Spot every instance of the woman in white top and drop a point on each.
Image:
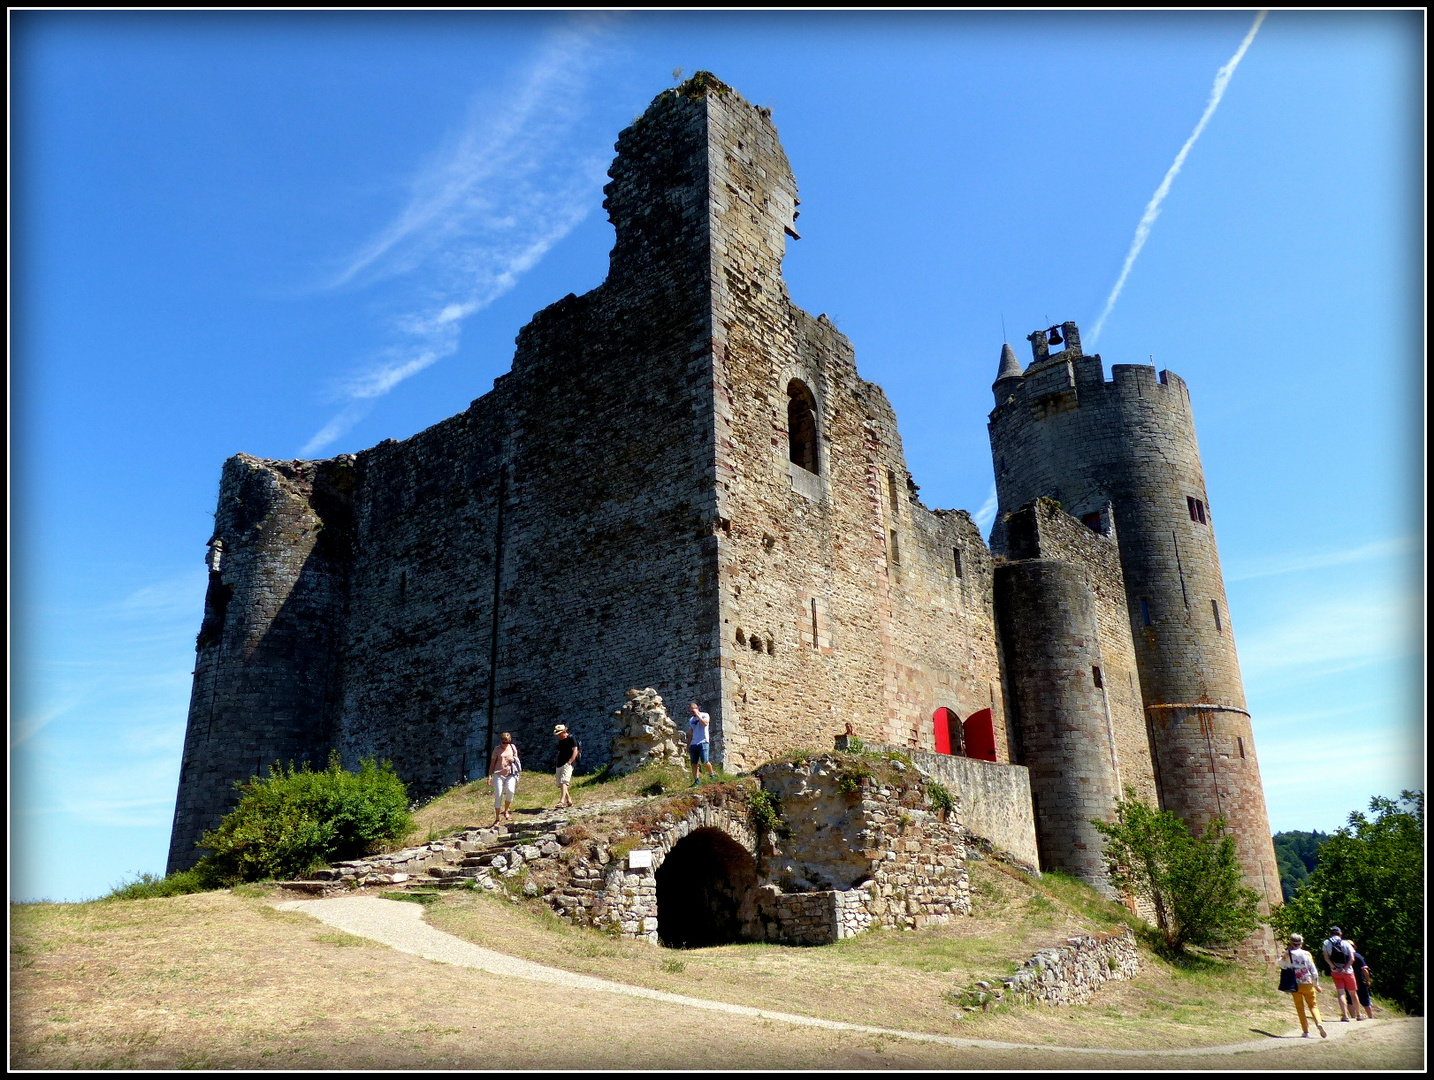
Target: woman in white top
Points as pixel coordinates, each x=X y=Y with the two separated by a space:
x=1306 y=983
x=503 y=769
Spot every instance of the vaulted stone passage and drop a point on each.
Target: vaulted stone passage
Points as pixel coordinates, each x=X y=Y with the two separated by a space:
x=706 y=892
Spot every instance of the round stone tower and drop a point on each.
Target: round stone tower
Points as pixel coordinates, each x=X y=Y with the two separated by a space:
x=1060 y=430
x=1048 y=625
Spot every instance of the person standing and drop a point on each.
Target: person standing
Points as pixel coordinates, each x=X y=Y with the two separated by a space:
x=1306 y=984
x=1361 y=982
x=699 y=743
x=503 y=769
x=1339 y=955
x=568 y=753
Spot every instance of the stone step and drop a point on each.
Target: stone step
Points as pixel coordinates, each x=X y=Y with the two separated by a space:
x=316 y=887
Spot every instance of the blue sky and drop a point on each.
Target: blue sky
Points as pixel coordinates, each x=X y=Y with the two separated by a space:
x=299 y=234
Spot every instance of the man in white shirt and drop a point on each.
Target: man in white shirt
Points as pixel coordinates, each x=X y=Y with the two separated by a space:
x=699 y=746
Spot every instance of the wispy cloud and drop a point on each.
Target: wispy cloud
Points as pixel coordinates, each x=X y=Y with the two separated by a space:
x=519 y=175
x=1332 y=634
x=1152 y=209
x=1292 y=564
x=987 y=514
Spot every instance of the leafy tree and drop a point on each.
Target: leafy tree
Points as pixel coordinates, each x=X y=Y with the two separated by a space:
x=1192 y=881
x=1370 y=883
x=292 y=819
x=1297 y=854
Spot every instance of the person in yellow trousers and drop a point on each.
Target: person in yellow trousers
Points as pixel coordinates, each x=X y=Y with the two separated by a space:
x=1306 y=984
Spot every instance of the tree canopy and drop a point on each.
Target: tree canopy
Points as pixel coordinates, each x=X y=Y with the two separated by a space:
x=1370 y=883
x=1297 y=854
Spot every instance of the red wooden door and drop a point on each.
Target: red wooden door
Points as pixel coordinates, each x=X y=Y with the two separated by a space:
x=942 y=721
x=980 y=736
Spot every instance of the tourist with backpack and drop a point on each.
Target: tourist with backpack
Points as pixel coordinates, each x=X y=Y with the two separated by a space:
x=1298 y=960
x=568 y=754
x=1339 y=955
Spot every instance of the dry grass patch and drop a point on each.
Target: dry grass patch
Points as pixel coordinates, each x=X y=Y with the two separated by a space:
x=909 y=980
x=219 y=980
x=468 y=806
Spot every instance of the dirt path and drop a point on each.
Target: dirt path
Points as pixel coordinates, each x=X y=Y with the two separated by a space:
x=400 y=925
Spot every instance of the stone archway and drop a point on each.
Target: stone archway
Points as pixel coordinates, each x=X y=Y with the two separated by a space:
x=706 y=891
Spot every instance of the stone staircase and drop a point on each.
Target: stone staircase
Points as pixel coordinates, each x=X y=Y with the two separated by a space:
x=480 y=855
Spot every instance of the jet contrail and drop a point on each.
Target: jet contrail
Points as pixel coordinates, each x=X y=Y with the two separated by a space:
x=1152 y=210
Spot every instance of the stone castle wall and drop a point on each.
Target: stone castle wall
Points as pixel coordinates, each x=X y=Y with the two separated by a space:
x=850 y=587
x=995 y=801
x=618 y=511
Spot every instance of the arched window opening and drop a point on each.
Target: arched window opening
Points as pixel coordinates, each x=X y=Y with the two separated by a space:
x=706 y=892
x=802 y=426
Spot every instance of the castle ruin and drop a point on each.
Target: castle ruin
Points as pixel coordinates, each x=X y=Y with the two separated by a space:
x=683 y=483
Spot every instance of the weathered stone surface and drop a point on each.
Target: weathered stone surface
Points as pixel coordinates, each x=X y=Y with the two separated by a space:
x=1071 y=974
x=645 y=735
x=684 y=484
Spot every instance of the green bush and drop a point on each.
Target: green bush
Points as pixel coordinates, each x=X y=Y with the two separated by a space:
x=765 y=811
x=295 y=818
x=151 y=886
x=849 y=779
x=939 y=796
x=1192 y=880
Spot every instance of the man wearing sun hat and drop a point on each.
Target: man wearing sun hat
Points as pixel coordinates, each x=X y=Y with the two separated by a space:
x=567 y=757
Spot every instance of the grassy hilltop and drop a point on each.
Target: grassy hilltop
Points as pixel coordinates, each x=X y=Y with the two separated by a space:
x=223 y=979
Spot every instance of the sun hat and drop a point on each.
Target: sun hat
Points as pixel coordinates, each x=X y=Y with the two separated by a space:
x=1335 y=930
x=1297 y=939
x=560 y=729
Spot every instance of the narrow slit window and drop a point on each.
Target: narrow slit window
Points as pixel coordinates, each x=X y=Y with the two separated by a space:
x=895 y=550
x=1239 y=740
x=1145 y=612
x=956 y=560
x=1215 y=610
x=891 y=490
x=815 y=645
x=1095 y=674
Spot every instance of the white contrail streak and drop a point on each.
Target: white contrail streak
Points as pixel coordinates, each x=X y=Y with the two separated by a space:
x=1152 y=210
x=520 y=176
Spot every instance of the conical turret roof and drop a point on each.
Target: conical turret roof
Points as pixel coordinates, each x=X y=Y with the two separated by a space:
x=1010 y=366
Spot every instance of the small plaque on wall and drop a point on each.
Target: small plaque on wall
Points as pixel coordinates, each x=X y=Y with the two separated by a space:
x=639 y=860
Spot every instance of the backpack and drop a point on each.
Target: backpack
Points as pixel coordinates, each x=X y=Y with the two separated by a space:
x=1339 y=952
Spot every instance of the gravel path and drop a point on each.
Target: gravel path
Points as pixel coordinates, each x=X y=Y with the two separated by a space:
x=399 y=924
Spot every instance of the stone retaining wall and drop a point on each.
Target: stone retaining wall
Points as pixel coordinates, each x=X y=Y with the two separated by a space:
x=995 y=801
x=1071 y=973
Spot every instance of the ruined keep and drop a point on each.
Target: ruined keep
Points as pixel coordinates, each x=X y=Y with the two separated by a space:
x=683 y=483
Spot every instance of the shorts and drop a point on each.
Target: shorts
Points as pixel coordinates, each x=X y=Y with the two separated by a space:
x=700 y=753
x=504 y=787
x=1344 y=980
x=565 y=774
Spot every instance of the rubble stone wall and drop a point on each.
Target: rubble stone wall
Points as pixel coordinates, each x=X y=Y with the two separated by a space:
x=1073 y=972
